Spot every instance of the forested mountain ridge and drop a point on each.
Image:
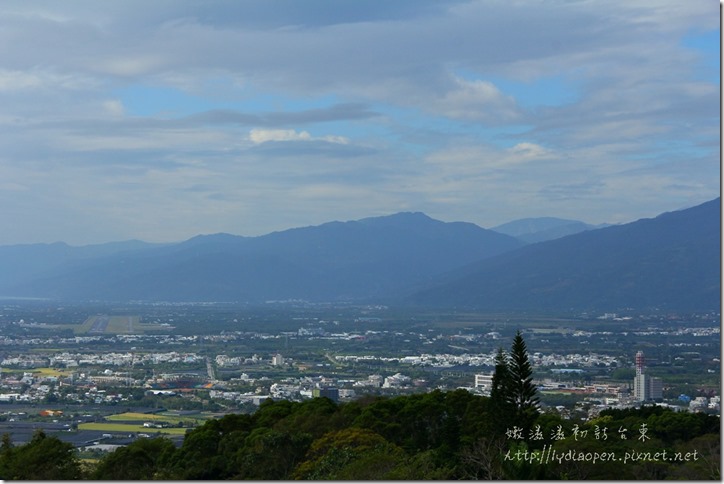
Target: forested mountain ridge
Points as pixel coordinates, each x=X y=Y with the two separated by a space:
x=369 y=258
x=668 y=262
x=24 y=262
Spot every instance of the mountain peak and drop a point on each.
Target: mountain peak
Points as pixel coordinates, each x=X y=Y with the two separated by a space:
x=531 y=225
x=221 y=237
x=539 y=229
x=668 y=262
x=399 y=218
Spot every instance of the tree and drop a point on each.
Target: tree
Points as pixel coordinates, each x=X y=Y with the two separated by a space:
x=144 y=459
x=270 y=454
x=500 y=394
x=43 y=458
x=501 y=378
x=352 y=453
x=523 y=393
x=513 y=394
x=6 y=454
x=482 y=460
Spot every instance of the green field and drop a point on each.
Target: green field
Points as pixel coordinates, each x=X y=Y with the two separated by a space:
x=130 y=428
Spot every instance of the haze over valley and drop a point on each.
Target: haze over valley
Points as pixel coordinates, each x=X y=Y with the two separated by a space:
x=665 y=262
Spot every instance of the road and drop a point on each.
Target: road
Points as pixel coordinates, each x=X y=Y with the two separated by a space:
x=210 y=369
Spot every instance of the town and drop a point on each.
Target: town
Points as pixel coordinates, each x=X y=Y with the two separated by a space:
x=70 y=370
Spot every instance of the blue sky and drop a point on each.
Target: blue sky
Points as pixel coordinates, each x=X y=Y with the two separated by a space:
x=163 y=120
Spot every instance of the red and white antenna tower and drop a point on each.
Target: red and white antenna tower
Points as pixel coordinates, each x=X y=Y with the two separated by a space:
x=640 y=363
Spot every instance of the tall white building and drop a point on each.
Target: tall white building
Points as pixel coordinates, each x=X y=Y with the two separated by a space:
x=640 y=388
x=646 y=387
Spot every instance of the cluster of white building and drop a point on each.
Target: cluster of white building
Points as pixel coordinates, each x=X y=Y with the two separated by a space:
x=573 y=359
x=445 y=360
x=700 y=404
x=68 y=360
x=225 y=361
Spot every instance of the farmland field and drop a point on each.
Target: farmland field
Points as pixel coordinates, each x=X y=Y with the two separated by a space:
x=38 y=372
x=45 y=372
x=188 y=420
x=130 y=428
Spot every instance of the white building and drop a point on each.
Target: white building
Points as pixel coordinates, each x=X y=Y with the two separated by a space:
x=397 y=380
x=647 y=388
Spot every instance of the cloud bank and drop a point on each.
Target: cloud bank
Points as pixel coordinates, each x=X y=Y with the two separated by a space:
x=162 y=120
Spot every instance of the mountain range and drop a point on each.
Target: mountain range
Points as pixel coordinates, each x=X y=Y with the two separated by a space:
x=671 y=261
x=544 y=228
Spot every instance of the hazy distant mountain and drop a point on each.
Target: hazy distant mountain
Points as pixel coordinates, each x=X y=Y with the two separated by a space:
x=24 y=262
x=669 y=262
x=373 y=257
x=540 y=229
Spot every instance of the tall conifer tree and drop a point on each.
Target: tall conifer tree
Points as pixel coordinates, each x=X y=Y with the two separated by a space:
x=522 y=393
x=500 y=388
x=502 y=409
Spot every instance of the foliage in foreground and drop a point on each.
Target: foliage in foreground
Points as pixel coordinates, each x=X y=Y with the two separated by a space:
x=438 y=435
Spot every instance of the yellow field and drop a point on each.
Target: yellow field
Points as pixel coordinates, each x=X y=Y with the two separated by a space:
x=42 y=371
x=150 y=417
x=52 y=372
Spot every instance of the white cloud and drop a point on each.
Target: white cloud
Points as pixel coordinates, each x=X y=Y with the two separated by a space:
x=35 y=79
x=529 y=151
x=258 y=136
x=132 y=66
x=465 y=160
x=476 y=101
x=114 y=107
x=138 y=140
x=414 y=90
x=17 y=80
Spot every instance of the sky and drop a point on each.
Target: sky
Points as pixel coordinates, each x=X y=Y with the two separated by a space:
x=162 y=120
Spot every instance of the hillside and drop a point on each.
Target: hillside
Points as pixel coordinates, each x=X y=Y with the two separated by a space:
x=540 y=229
x=374 y=257
x=25 y=262
x=668 y=262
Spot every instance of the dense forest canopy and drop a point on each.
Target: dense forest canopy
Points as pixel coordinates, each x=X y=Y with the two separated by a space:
x=437 y=435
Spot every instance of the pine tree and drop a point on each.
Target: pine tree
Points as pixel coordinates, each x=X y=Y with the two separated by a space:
x=500 y=391
x=501 y=378
x=522 y=393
